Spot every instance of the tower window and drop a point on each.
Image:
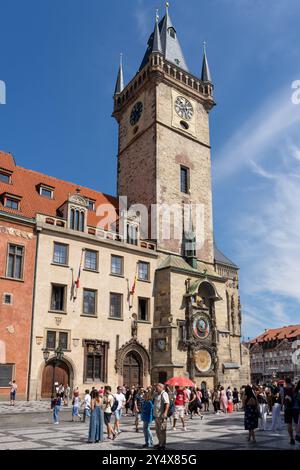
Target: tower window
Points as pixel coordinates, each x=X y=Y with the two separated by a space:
x=172 y=32
x=184 y=179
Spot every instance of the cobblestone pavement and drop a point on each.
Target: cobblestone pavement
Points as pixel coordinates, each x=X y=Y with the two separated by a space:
x=25 y=407
x=36 y=431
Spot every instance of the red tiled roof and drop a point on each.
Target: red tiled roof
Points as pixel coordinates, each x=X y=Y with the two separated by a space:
x=25 y=183
x=291 y=331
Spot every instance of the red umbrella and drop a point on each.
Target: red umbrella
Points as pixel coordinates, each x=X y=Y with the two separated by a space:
x=180 y=382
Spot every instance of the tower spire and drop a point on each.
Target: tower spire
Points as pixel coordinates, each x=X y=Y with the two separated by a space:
x=120 y=78
x=156 y=38
x=205 y=73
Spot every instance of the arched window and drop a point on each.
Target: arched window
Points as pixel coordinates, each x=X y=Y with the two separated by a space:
x=72 y=218
x=81 y=228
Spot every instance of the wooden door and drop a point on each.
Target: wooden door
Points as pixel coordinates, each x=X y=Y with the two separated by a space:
x=62 y=376
x=131 y=371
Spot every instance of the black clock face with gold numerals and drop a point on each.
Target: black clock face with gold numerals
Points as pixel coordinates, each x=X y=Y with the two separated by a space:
x=136 y=113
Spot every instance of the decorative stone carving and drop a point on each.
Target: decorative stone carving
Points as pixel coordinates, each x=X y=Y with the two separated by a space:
x=15 y=232
x=10 y=329
x=75 y=342
x=134 y=325
x=58 y=320
x=78 y=200
x=39 y=340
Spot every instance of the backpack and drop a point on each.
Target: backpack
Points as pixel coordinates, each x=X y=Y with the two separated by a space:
x=115 y=405
x=171 y=409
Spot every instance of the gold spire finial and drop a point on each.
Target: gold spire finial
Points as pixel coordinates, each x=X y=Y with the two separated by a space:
x=167 y=6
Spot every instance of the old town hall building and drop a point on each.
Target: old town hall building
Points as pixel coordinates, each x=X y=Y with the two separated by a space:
x=114 y=300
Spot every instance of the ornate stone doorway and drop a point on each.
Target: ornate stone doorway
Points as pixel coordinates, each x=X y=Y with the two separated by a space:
x=133 y=364
x=132 y=370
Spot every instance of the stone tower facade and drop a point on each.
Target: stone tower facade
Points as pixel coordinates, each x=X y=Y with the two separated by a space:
x=164 y=163
x=164 y=139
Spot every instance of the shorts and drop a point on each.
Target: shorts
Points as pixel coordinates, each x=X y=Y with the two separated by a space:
x=118 y=414
x=12 y=395
x=179 y=412
x=137 y=415
x=107 y=417
x=291 y=415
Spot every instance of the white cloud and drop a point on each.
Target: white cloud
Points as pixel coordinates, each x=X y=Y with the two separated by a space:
x=266 y=127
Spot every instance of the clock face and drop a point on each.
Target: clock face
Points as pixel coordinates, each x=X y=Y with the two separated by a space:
x=136 y=113
x=201 y=326
x=184 y=108
x=203 y=360
x=161 y=344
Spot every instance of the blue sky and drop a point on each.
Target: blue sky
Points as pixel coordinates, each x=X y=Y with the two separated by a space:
x=59 y=61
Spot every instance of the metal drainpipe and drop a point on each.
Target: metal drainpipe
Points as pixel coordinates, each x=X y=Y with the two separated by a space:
x=32 y=315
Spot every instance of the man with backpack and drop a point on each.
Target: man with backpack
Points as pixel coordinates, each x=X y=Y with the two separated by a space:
x=110 y=404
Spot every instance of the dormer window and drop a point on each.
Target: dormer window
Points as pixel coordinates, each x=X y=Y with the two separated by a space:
x=172 y=32
x=91 y=205
x=46 y=191
x=5 y=177
x=12 y=201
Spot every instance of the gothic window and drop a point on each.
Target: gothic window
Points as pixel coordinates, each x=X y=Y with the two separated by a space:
x=95 y=361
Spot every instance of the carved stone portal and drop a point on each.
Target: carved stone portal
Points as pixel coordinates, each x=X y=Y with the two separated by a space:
x=133 y=346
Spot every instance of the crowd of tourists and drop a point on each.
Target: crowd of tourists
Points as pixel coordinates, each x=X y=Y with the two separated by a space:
x=271 y=399
x=169 y=407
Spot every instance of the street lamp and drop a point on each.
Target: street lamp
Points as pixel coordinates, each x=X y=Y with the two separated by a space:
x=58 y=355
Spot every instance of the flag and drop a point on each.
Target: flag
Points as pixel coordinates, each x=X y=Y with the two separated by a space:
x=133 y=285
x=132 y=290
x=77 y=282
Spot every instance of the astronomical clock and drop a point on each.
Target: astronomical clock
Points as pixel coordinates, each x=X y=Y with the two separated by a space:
x=200 y=334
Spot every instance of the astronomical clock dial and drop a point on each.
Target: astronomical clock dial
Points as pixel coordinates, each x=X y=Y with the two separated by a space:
x=161 y=344
x=203 y=360
x=201 y=326
x=184 y=108
x=136 y=113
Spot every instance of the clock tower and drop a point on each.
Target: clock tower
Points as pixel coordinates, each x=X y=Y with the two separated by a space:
x=164 y=146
